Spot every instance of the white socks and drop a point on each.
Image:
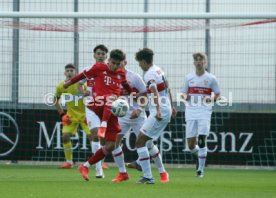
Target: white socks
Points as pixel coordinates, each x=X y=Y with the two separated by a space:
x=155 y=155
x=104 y=124
x=202 y=154
x=144 y=161
x=118 y=156
x=95 y=146
x=195 y=150
x=86 y=164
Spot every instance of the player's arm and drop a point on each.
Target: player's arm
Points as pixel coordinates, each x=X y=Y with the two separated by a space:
x=83 y=86
x=141 y=94
x=73 y=80
x=58 y=106
x=142 y=105
x=64 y=117
x=127 y=86
x=185 y=95
x=174 y=112
x=215 y=89
x=153 y=90
x=82 y=89
x=91 y=73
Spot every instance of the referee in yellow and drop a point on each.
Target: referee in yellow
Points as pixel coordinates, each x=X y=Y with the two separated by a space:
x=75 y=115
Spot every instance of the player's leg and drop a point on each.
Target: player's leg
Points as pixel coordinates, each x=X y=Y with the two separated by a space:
x=154 y=151
x=106 y=116
x=118 y=154
x=157 y=158
x=100 y=154
x=112 y=130
x=136 y=125
x=151 y=129
x=93 y=122
x=191 y=134
x=203 y=132
x=144 y=159
x=67 y=131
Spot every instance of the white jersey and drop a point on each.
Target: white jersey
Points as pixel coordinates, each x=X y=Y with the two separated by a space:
x=136 y=83
x=155 y=76
x=198 y=87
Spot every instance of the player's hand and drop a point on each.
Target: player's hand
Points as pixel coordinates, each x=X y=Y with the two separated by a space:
x=66 y=120
x=174 y=112
x=158 y=115
x=188 y=97
x=208 y=99
x=135 y=114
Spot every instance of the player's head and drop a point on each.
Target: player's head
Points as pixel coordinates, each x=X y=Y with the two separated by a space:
x=145 y=58
x=200 y=60
x=70 y=70
x=100 y=53
x=115 y=59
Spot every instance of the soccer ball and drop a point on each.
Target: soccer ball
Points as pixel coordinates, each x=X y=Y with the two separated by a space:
x=119 y=107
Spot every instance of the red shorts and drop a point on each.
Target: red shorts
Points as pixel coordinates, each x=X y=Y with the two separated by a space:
x=113 y=127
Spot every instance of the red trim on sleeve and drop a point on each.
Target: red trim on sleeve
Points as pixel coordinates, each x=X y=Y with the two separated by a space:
x=160 y=87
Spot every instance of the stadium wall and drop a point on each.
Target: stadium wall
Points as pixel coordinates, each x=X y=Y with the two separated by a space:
x=235 y=139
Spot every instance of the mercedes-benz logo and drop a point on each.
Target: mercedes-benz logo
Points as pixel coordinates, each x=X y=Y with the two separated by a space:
x=9 y=134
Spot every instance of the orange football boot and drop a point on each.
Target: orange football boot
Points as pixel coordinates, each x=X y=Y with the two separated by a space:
x=120 y=177
x=84 y=172
x=164 y=177
x=67 y=165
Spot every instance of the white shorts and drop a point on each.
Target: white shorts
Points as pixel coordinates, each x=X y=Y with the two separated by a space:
x=134 y=124
x=197 y=127
x=154 y=128
x=92 y=118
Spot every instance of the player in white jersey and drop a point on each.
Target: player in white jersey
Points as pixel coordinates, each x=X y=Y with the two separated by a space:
x=200 y=91
x=161 y=110
x=100 y=55
x=134 y=120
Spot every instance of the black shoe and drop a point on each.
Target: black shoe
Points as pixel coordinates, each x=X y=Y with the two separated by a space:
x=145 y=180
x=134 y=165
x=199 y=174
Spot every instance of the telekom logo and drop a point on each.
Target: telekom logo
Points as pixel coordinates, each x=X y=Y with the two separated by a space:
x=107 y=80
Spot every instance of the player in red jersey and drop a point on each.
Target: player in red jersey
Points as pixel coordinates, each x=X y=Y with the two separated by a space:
x=100 y=53
x=107 y=80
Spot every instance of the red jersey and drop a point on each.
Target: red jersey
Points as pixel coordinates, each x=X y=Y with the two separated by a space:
x=106 y=82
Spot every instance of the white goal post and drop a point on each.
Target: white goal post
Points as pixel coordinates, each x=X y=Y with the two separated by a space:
x=127 y=15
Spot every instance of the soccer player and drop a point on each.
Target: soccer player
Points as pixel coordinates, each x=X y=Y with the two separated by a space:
x=100 y=56
x=75 y=114
x=197 y=90
x=161 y=110
x=134 y=119
x=107 y=80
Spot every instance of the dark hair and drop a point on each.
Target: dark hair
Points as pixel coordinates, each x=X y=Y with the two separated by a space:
x=70 y=66
x=117 y=54
x=101 y=47
x=144 y=54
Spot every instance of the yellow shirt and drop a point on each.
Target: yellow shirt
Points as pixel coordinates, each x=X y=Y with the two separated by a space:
x=73 y=98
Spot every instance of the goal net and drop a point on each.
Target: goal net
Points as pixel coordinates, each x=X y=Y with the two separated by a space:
x=241 y=53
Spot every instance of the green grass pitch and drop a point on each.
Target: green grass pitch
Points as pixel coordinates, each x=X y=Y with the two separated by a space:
x=22 y=181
